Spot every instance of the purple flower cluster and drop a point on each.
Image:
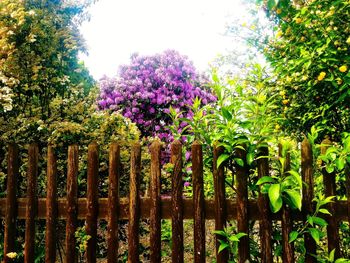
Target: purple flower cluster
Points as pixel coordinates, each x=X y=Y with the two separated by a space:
x=145 y=90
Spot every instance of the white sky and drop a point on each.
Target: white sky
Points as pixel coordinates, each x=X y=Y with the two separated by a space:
x=119 y=28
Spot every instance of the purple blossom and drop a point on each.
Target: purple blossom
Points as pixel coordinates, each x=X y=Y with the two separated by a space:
x=146 y=88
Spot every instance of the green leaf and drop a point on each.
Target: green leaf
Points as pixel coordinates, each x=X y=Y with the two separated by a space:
x=296 y=176
x=265 y=179
x=319 y=221
x=315 y=234
x=295 y=197
x=293 y=236
x=240 y=234
x=227 y=115
x=324 y=211
x=222 y=158
x=331 y=255
x=239 y=161
x=222 y=247
x=340 y=163
x=275 y=197
x=250 y=158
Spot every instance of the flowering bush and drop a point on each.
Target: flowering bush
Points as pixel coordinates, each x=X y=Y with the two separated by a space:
x=310 y=55
x=149 y=86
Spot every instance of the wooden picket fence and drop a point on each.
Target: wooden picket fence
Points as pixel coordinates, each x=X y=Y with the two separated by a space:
x=92 y=208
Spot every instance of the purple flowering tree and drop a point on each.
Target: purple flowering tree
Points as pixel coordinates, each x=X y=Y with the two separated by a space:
x=145 y=90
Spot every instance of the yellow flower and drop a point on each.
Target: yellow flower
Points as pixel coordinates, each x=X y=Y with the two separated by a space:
x=278 y=11
x=277 y=127
x=298 y=20
x=282 y=93
x=279 y=34
x=11 y=255
x=321 y=76
x=348 y=41
x=285 y=102
x=343 y=68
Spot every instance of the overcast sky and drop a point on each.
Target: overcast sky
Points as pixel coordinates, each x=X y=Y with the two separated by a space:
x=118 y=29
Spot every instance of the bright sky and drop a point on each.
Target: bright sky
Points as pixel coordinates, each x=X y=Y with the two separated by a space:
x=118 y=29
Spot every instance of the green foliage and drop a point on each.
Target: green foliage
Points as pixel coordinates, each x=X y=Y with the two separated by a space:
x=309 y=53
x=229 y=242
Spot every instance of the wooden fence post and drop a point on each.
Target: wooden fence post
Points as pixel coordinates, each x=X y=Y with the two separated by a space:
x=155 y=211
x=220 y=202
x=92 y=202
x=242 y=174
x=198 y=203
x=72 y=203
x=11 y=201
x=51 y=206
x=330 y=190
x=265 y=227
x=31 y=206
x=287 y=223
x=177 y=203
x=308 y=195
x=113 y=203
x=134 y=204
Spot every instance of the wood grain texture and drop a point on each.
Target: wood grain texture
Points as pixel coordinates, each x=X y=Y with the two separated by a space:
x=51 y=207
x=308 y=194
x=242 y=207
x=287 y=222
x=198 y=203
x=32 y=174
x=220 y=204
x=265 y=226
x=177 y=203
x=11 y=201
x=92 y=202
x=72 y=203
x=113 y=203
x=330 y=190
x=134 y=204
x=155 y=203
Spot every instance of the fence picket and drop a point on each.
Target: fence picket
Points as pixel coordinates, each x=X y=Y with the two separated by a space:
x=72 y=203
x=177 y=204
x=347 y=175
x=92 y=202
x=242 y=207
x=330 y=190
x=198 y=203
x=51 y=207
x=265 y=227
x=220 y=202
x=287 y=223
x=134 y=204
x=113 y=203
x=11 y=201
x=31 y=209
x=155 y=211
x=308 y=195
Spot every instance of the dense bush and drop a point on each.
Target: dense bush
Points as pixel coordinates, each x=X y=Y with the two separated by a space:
x=145 y=90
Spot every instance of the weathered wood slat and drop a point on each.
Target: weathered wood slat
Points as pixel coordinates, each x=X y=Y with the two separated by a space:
x=51 y=207
x=112 y=206
x=341 y=209
x=32 y=174
x=220 y=204
x=155 y=203
x=308 y=195
x=330 y=190
x=287 y=222
x=134 y=204
x=242 y=207
x=198 y=203
x=92 y=202
x=265 y=226
x=177 y=204
x=347 y=175
x=72 y=203
x=11 y=201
